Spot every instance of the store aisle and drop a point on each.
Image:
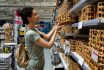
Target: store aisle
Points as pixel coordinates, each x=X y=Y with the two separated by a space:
x=48 y=65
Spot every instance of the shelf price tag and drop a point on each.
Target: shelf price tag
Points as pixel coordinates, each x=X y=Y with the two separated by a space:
x=66 y=42
x=81 y=61
x=94 y=55
x=80 y=25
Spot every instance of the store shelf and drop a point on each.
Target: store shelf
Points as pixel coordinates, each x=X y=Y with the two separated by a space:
x=21 y=35
x=2 y=39
x=26 y=4
x=5 y=55
x=85 y=66
x=10 y=43
x=75 y=35
x=58 y=66
x=80 y=60
x=1 y=28
x=80 y=5
x=1 y=32
x=94 y=23
x=22 y=29
x=65 y=63
x=77 y=57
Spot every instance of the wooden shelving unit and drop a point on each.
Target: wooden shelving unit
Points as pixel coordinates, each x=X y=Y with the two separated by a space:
x=93 y=23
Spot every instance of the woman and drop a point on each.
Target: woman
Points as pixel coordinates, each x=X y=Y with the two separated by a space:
x=33 y=41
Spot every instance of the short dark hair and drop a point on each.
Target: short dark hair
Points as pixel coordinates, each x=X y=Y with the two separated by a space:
x=25 y=13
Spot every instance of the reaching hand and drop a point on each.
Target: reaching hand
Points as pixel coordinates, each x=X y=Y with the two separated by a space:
x=59 y=27
x=56 y=26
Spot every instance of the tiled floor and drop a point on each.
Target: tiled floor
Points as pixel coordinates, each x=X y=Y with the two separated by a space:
x=48 y=65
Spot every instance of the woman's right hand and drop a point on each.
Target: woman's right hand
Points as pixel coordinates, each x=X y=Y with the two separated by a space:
x=56 y=26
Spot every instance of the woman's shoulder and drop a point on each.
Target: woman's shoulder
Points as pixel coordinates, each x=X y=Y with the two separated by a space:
x=30 y=32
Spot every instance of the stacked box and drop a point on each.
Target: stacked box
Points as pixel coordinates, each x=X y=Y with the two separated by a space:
x=100 y=10
x=87 y=13
x=96 y=41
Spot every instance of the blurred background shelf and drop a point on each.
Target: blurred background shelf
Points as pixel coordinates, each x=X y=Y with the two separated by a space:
x=94 y=23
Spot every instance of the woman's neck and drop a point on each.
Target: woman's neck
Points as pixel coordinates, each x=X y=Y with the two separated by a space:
x=31 y=25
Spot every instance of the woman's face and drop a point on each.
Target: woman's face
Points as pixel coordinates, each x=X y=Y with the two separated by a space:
x=34 y=17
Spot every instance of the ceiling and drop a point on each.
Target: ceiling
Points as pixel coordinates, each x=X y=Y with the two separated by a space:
x=43 y=7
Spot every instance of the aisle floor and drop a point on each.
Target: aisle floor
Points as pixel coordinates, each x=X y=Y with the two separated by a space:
x=48 y=65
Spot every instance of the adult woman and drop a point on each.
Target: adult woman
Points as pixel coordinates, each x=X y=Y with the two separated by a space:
x=33 y=41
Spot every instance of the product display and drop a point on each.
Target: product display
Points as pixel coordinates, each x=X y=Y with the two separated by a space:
x=64 y=8
x=73 y=44
x=73 y=64
x=8 y=32
x=87 y=13
x=64 y=17
x=100 y=9
x=77 y=45
x=91 y=50
x=96 y=42
x=5 y=61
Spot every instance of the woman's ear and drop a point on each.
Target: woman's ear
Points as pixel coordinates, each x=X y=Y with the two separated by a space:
x=29 y=19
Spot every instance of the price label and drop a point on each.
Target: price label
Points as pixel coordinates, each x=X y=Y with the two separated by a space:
x=68 y=49
x=81 y=62
x=94 y=55
x=63 y=47
x=66 y=42
x=80 y=25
